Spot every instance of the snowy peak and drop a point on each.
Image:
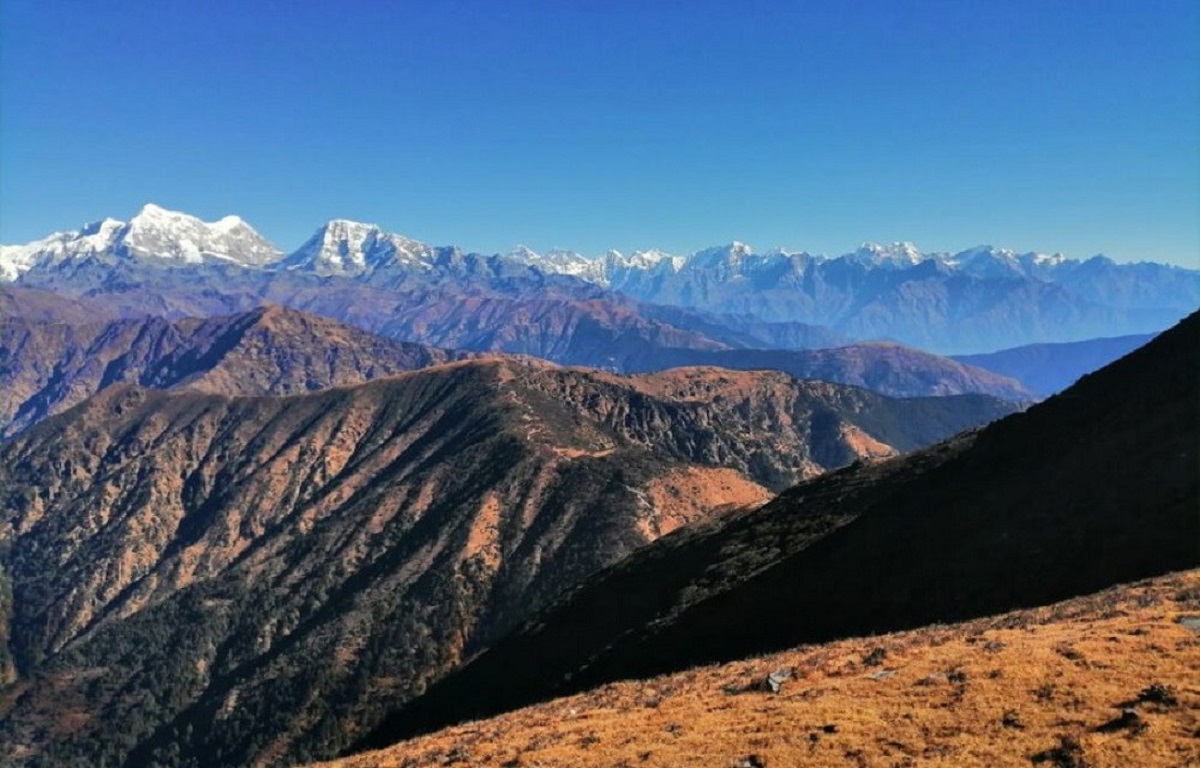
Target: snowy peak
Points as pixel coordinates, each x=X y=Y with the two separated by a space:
x=524 y=255
x=724 y=262
x=652 y=260
x=352 y=248
x=16 y=259
x=158 y=233
x=155 y=235
x=986 y=261
x=899 y=255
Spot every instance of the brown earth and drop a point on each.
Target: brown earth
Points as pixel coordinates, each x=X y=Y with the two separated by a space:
x=1037 y=687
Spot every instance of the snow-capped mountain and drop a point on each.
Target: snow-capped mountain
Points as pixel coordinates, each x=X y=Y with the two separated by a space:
x=893 y=256
x=976 y=300
x=610 y=269
x=154 y=235
x=177 y=237
x=353 y=249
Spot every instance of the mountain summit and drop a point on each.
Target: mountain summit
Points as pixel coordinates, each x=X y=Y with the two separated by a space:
x=974 y=301
x=158 y=233
x=351 y=248
x=154 y=235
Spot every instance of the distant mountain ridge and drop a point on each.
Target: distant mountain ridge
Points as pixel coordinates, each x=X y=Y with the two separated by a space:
x=47 y=366
x=890 y=369
x=1050 y=368
x=53 y=354
x=976 y=300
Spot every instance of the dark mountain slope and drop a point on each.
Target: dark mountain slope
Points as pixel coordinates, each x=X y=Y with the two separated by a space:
x=199 y=579
x=1094 y=487
x=46 y=367
x=1050 y=368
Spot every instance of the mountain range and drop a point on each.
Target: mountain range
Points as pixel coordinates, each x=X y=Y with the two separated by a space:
x=48 y=366
x=260 y=507
x=1050 y=368
x=198 y=578
x=55 y=352
x=974 y=301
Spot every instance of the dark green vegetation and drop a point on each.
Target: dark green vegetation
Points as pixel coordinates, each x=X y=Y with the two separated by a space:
x=1094 y=487
x=199 y=579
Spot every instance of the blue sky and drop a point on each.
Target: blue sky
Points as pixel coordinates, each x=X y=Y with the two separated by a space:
x=1055 y=126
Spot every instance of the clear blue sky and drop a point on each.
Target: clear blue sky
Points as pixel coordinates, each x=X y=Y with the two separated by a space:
x=1056 y=126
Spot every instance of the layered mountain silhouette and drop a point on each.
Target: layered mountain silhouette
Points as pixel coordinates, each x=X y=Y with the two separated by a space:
x=1094 y=487
x=890 y=369
x=53 y=354
x=47 y=365
x=1050 y=368
x=204 y=579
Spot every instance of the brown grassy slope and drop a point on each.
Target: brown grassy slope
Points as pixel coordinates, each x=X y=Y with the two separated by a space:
x=1029 y=687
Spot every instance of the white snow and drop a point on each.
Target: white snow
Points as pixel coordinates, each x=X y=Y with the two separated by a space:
x=352 y=248
x=344 y=247
x=154 y=234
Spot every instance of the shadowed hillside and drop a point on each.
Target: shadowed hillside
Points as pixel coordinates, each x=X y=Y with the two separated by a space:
x=1093 y=487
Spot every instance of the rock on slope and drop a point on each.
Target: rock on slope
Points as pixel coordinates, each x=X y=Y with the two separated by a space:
x=989 y=692
x=1095 y=486
x=47 y=366
x=204 y=579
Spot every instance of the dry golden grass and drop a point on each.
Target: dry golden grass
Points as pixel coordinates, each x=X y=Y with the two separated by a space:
x=1039 y=687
